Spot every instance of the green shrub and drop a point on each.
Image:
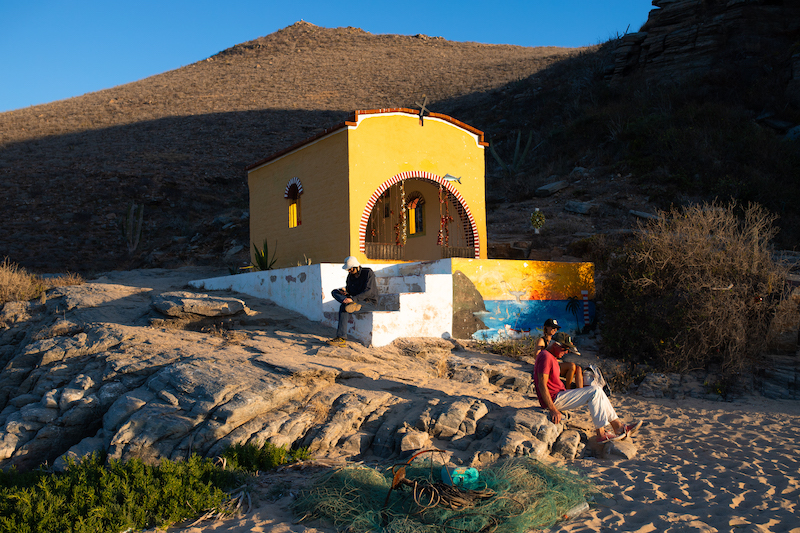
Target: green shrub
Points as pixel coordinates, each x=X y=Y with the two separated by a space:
x=95 y=497
x=252 y=458
x=697 y=287
x=92 y=497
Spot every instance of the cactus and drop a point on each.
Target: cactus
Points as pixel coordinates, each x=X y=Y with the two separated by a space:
x=512 y=168
x=132 y=226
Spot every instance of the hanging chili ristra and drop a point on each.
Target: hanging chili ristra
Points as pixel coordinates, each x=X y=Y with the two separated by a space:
x=403 y=213
x=446 y=220
x=440 y=238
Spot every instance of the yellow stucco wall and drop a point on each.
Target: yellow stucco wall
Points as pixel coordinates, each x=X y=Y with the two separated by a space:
x=322 y=236
x=340 y=172
x=499 y=279
x=386 y=144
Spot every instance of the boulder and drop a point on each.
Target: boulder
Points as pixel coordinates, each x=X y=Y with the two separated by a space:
x=568 y=445
x=14 y=312
x=448 y=423
x=517 y=443
x=96 y=444
x=551 y=188
x=693 y=37
x=182 y=303
x=621 y=449
x=414 y=440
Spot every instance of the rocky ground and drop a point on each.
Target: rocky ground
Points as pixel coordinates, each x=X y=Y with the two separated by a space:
x=133 y=364
x=99 y=367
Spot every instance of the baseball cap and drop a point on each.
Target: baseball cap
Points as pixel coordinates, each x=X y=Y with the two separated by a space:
x=350 y=262
x=566 y=341
x=551 y=323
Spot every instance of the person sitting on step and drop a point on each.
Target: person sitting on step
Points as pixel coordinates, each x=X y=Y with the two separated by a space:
x=360 y=294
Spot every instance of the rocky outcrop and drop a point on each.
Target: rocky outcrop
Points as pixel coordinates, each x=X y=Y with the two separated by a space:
x=136 y=385
x=686 y=37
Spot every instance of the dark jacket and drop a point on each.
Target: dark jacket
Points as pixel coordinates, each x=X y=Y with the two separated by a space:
x=362 y=288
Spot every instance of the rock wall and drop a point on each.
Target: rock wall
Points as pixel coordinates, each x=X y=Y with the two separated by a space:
x=687 y=37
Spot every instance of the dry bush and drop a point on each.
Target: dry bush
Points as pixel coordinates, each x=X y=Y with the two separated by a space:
x=697 y=287
x=514 y=348
x=64 y=280
x=16 y=284
x=600 y=249
x=319 y=407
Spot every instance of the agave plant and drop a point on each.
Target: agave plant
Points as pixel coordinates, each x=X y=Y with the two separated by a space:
x=262 y=259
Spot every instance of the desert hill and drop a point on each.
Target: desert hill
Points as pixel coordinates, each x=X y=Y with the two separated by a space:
x=178 y=142
x=701 y=103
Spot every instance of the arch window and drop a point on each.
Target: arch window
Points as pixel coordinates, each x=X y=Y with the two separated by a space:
x=292 y=194
x=416 y=214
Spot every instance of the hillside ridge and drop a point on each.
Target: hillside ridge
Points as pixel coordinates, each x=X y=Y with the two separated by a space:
x=178 y=142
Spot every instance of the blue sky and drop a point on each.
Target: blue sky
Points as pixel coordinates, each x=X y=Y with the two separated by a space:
x=56 y=49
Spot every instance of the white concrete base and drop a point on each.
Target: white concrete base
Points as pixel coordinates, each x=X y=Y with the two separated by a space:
x=425 y=294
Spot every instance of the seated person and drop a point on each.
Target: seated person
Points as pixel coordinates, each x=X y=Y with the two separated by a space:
x=360 y=294
x=554 y=397
x=571 y=373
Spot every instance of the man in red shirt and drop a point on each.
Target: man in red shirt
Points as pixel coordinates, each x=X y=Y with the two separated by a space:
x=572 y=373
x=554 y=397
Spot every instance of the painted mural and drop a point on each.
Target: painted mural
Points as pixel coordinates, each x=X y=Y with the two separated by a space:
x=511 y=299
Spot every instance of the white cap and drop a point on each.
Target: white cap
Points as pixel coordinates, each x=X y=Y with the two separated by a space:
x=350 y=262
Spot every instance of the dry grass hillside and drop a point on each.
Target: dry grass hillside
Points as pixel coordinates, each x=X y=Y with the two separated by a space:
x=178 y=142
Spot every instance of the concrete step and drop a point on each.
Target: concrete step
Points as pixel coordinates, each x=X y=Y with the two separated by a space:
x=400 y=284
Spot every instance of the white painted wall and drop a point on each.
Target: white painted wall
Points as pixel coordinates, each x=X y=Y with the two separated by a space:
x=425 y=288
x=296 y=288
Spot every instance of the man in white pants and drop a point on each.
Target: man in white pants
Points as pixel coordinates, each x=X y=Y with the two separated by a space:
x=554 y=397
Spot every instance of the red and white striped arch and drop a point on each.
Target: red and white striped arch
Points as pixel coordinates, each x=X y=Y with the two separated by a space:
x=470 y=227
x=293 y=181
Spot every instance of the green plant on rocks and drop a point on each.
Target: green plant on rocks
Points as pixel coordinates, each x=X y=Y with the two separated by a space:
x=252 y=458
x=94 y=497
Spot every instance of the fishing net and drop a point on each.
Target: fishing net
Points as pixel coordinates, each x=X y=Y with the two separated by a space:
x=515 y=495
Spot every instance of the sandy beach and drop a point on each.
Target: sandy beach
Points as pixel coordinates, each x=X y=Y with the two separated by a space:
x=701 y=466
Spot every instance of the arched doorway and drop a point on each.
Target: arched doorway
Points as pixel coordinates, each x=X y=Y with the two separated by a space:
x=417 y=216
